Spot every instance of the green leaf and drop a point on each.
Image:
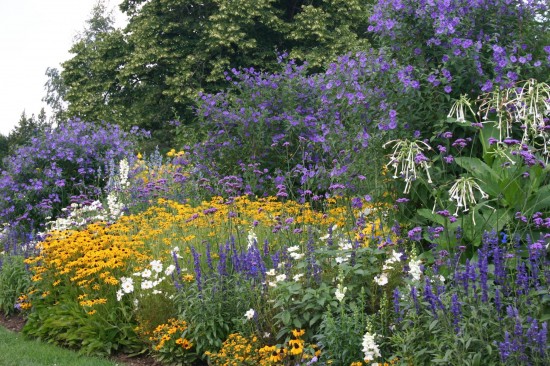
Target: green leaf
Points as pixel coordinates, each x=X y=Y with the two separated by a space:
x=539 y=201
x=285 y=317
x=481 y=171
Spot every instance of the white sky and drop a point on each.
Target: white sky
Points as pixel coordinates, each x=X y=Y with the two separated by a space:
x=35 y=35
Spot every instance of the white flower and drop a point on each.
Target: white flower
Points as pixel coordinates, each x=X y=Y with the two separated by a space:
x=370 y=348
x=175 y=252
x=395 y=258
x=340 y=260
x=462 y=192
x=127 y=285
x=280 y=277
x=340 y=292
x=297 y=256
x=145 y=285
x=156 y=266
x=405 y=158
x=124 y=168
x=169 y=270
x=381 y=279
x=249 y=314
x=345 y=245
x=457 y=110
x=119 y=295
x=267 y=334
x=293 y=248
x=115 y=208
x=297 y=277
x=271 y=272
x=155 y=283
x=252 y=238
x=146 y=273
x=415 y=270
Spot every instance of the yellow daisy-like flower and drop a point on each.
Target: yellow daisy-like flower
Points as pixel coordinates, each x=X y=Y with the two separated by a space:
x=297 y=333
x=296 y=346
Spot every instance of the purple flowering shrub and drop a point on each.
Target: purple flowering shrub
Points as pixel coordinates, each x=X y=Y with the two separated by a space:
x=299 y=135
x=292 y=134
x=462 y=47
x=69 y=164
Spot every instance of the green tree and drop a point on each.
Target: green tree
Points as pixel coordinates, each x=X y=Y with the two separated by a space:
x=172 y=50
x=89 y=80
x=56 y=92
x=4 y=149
x=26 y=129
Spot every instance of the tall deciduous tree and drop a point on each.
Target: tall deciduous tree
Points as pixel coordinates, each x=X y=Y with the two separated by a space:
x=171 y=50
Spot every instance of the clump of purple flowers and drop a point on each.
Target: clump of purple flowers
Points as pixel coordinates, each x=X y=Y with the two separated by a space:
x=457 y=44
x=501 y=288
x=68 y=164
x=297 y=135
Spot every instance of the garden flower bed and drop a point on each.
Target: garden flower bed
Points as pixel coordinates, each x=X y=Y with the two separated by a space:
x=369 y=214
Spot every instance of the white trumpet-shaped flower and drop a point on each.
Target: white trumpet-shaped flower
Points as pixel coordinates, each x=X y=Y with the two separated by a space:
x=463 y=193
x=458 y=109
x=406 y=157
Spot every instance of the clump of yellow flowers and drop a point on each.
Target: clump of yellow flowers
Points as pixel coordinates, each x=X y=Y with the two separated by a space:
x=239 y=350
x=169 y=344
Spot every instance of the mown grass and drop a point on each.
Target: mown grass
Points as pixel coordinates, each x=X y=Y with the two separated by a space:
x=15 y=350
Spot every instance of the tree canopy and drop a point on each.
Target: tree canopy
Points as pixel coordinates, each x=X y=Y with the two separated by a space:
x=172 y=50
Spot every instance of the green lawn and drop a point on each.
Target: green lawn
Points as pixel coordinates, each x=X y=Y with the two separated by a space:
x=15 y=350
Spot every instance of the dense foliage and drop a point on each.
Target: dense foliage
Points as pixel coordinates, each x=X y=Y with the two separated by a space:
x=151 y=72
x=69 y=164
x=393 y=208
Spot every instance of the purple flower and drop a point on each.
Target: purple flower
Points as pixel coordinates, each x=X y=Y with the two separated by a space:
x=487 y=86
x=415 y=234
x=357 y=203
x=460 y=143
x=197 y=266
x=414 y=295
x=396 y=306
x=456 y=311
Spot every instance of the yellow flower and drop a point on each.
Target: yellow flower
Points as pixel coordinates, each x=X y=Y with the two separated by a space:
x=297 y=333
x=188 y=278
x=296 y=346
